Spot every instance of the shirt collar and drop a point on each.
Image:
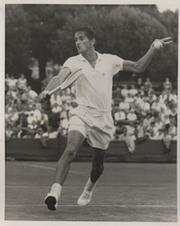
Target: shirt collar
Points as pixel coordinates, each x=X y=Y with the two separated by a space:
x=99 y=58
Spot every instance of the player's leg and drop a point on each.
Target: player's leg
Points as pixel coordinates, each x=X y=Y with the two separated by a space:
x=96 y=171
x=74 y=141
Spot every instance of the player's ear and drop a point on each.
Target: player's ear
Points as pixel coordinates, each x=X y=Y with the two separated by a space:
x=93 y=41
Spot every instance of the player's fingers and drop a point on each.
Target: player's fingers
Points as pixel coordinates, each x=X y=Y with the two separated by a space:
x=167 y=43
x=166 y=39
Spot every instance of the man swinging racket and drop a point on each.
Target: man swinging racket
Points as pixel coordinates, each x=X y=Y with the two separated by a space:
x=92 y=74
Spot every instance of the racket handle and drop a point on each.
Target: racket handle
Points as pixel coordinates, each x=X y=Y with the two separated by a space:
x=48 y=95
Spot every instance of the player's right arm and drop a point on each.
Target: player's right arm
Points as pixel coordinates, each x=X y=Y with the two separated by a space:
x=56 y=81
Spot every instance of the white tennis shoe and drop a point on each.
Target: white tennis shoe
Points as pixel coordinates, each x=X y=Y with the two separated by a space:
x=85 y=198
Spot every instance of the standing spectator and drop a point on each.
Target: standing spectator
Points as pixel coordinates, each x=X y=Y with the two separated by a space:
x=167 y=85
x=117 y=93
x=11 y=81
x=22 y=82
x=147 y=85
x=139 y=82
x=44 y=83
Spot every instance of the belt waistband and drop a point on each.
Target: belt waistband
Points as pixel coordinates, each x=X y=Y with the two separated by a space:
x=94 y=110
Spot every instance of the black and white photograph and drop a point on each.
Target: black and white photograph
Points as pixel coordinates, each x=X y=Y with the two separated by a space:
x=90 y=112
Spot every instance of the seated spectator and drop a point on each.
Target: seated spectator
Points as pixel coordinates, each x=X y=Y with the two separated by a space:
x=131 y=116
x=173 y=96
x=32 y=123
x=56 y=109
x=158 y=123
x=138 y=100
x=31 y=93
x=36 y=113
x=133 y=91
x=150 y=130
x=173 y=112
x=42 y=131
x=156 y=106
x=141 y=91
x=23 y=131
x=124 y=91
x=145 y=106
x=163 y=97
x=129 y=99
x=170 y=133
x=120 y=116
x=55 y=98
x=124 y=106
x=148 y=120
x=64 y=123
x=7 y=78
x=65 y=97
x=152 y=97
x=140 y=131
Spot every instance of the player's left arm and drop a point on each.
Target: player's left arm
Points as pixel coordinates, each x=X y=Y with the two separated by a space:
x=141 y=65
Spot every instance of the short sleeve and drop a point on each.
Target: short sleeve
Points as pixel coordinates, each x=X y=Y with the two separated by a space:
x=117 y=63
x=71 y=64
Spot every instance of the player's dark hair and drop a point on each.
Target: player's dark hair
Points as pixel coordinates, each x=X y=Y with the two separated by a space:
x=87 y=30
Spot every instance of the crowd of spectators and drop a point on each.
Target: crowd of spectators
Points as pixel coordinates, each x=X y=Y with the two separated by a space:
x=144 y=112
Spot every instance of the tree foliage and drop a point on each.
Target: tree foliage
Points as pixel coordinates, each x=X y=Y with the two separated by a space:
x=46 y=32
x=18 y=39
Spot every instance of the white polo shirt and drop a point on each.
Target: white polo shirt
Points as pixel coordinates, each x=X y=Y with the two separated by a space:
x=94 y=87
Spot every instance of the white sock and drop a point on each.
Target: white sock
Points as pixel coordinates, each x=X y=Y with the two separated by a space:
x=56 y=190
x=89 y=185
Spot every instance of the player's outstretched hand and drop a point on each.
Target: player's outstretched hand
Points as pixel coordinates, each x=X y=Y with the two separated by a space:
x=160 y=43
x=44 y=95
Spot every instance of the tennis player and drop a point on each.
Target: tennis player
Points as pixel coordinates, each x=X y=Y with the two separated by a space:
x=92 y=119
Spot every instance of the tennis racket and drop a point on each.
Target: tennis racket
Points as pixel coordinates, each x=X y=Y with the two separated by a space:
x=68 y=81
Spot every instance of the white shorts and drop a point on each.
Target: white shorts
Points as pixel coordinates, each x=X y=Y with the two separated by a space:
x=96 y=126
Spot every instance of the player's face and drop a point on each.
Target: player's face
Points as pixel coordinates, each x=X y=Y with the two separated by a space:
x=83 y=43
